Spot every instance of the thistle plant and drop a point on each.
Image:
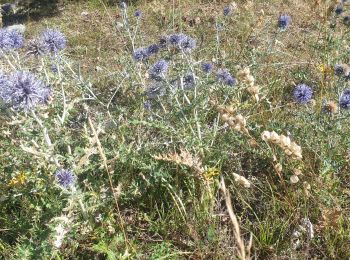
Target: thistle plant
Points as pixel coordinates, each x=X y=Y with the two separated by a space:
x=176 y=130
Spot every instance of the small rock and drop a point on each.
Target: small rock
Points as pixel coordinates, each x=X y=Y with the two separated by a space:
x=21 y=28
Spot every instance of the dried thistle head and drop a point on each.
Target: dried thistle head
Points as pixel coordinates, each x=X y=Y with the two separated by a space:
x=330 y=107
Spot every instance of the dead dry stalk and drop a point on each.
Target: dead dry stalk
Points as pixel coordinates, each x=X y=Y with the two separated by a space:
x=243 y=252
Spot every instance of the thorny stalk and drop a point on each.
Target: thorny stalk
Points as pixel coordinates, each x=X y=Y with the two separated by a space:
x=46 y=136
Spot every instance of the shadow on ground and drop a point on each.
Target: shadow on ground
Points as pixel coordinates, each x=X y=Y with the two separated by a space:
x=21 y=11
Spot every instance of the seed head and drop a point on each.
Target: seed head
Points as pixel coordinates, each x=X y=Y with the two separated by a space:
x=330 y=107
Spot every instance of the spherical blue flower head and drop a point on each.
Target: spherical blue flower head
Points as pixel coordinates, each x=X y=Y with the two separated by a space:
x=302 y=93
x=189 y=81
x=5 y=41
x=152 y=49
x=284 y=21
x=16 y=39
x=10 y=39
x=339 y=9
x=3 y=81
x=224 y=76
x=24 y=91
x=65 y=178
x=176 y=39
x=158 y=70
x=157 y=89
x=188 y=44
x=231 y=81
x=227 y=10
x=138 y=14
x=346 y=20
x=147 y=105
x=53 y=40
x=345 y=99
x=207 y=67
x=140 y=54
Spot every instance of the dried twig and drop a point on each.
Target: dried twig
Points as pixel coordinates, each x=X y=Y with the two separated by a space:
x=243 y=252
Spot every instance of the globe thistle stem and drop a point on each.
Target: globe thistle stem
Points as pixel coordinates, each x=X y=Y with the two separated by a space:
x=46 y=136
x=127 y=26
x=105 y=165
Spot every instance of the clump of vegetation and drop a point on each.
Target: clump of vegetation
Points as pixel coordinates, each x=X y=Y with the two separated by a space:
x=169 y=131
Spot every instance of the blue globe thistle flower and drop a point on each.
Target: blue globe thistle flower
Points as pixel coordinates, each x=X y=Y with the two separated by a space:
x=158 y=70
x=189 y=81
x=188 y=44
x=3 y=81
x=224 y=76
x=16 y=39
x=182 y=42
x=339 y=9
x=152 y=49
x=344 y=100
x=227 y=10
x=5 y=42
x=147 y=105
x=53 y=41
x=140 y=54
x=24 y=91
x=207 y=67
x=346 y=20
x=157 y=89
x=138 y=14
x=65 y=178
x=10 y=39
x=284 y=21
x=176 y=39
x=302 y=93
